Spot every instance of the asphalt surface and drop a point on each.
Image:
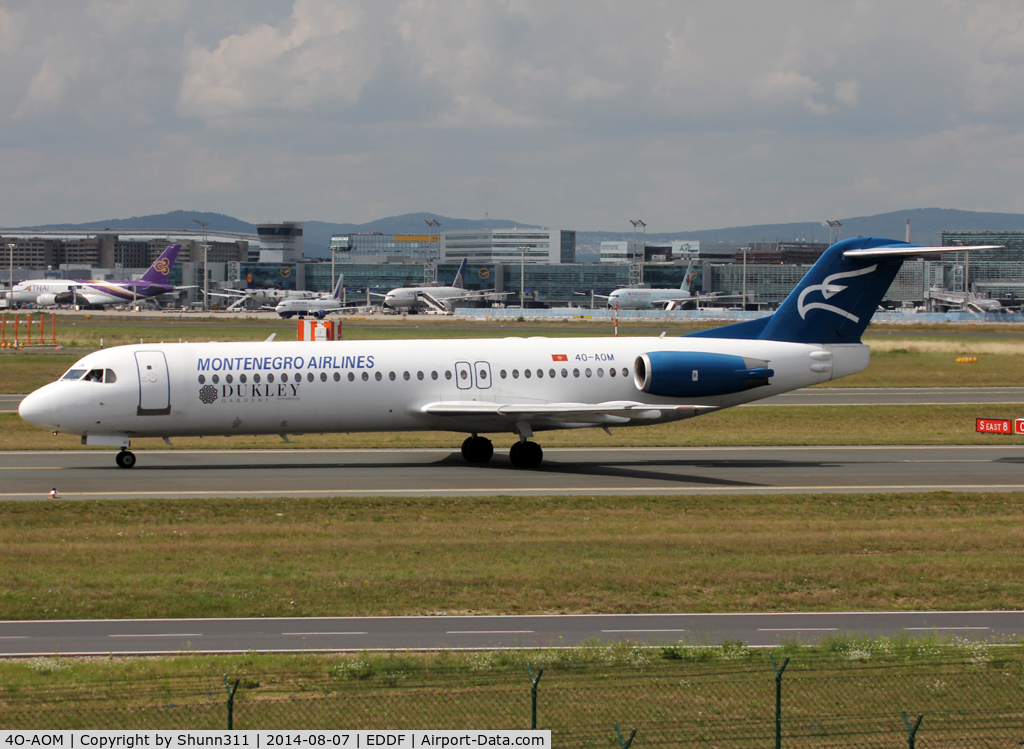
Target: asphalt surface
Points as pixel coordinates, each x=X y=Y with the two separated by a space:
x=829 y=397
x=437 y=472
x=153 y=636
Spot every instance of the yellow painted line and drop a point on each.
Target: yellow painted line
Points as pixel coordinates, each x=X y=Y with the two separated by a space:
x=545 y=489
x=33 y=468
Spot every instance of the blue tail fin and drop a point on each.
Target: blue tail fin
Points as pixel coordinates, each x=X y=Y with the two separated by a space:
x=460 y=277
x=834 y=302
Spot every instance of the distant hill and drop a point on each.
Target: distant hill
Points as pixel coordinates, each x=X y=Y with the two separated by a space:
x=316 y=235
x=926 y=226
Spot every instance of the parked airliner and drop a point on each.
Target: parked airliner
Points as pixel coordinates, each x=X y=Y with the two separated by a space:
x=319 y=305
x=438 y=298
x=627 y=298
x=46 y=292
x=476 y=386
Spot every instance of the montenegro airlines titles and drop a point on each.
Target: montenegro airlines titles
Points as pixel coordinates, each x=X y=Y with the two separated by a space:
x=513 y=385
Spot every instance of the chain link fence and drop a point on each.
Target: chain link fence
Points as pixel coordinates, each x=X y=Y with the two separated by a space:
x=670 y=698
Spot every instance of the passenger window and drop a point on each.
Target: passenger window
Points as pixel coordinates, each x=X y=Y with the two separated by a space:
x=109 y=376
x=95 y=375
x=515 y=374
x=241 y=378
x=337 y=376
x=284 y=377
x=447 y=374
x=463 y=374
x=600 y=372
x=323 y=377
x=419 y=375
x=228 y=379
x=625 y=372
x=433 y=375
x=551 y=373
x=309 y=376
x=527 y=374
x=202 y=379
x=503 y=374
x=216 y=379
x=540 y=373
x=74 y=374
x=351 y=377
x=256 y=379
x=366 y=376
x=378 y=376
x=391 y=376
x=405 y=375
x=565 y=373
x=575 y=373
x=611 y=372
x=587 y=372
x=483 y=374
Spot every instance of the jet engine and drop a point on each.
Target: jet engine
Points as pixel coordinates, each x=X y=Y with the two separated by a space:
x=691 y=374
x=46 y=300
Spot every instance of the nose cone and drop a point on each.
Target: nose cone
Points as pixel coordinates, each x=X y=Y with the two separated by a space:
x=37 y=411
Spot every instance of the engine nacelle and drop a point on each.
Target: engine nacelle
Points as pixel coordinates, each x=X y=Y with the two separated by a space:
x=691 y=374
x=46 y=300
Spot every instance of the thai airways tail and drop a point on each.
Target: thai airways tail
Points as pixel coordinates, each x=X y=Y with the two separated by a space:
x=460 y=277
x=688 y=277
x=834 y=302
x=161 y=268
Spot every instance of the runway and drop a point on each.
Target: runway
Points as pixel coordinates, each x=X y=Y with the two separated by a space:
x=159 y=636
x=440 y=472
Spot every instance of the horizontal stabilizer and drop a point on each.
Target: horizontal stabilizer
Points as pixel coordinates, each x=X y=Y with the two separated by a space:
x=912 y=251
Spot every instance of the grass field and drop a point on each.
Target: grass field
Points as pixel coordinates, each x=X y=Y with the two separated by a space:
x=371 y=556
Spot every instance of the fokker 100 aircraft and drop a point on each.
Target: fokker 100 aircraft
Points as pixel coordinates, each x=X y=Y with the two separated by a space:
x=511 y=385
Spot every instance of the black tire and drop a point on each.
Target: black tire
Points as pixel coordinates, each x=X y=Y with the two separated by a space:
x=526 y=455
x=125 y=459
x=477 y=449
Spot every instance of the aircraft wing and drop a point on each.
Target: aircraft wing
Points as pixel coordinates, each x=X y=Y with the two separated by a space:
x=611 y=412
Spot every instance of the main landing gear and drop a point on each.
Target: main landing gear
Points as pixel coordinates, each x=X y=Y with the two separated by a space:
x=523 y=454
x=526 y=454
x=125 y=459
x=477 y=449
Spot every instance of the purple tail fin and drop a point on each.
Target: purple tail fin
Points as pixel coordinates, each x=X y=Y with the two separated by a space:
x=161 y=269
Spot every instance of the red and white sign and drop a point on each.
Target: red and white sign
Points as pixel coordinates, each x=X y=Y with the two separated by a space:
x=319 y=330
x=995 y=426
x=1018 y=426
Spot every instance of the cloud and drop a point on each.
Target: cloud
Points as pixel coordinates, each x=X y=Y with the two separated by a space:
x=570 y=114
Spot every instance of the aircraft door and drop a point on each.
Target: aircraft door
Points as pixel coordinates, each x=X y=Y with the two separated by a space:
x=483 y=374
x=463 y=375
x=154 y=384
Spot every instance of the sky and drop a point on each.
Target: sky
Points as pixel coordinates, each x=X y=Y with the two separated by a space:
x=577 y=114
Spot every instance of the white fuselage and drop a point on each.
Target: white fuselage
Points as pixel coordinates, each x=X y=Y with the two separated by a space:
x=163 y=390
x=409 y=297
x=645 y=298
x=289 y=307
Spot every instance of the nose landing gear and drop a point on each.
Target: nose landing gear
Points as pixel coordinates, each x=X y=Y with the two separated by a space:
x=125 y=459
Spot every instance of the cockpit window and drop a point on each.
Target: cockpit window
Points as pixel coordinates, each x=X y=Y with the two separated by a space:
x=73 y=374
x=95 y=375
x=109 y=376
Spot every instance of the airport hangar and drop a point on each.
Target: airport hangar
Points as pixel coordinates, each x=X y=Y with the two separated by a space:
x=379 y=262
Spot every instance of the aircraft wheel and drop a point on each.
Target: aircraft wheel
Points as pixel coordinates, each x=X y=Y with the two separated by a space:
x=477 y=449
x=526 y=455
x=125 y=459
